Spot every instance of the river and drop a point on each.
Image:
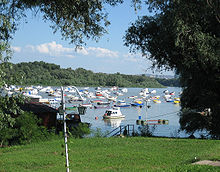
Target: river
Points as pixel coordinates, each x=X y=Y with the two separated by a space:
x=164 y=110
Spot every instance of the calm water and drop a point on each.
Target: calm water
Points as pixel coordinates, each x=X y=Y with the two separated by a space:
x=164 y=110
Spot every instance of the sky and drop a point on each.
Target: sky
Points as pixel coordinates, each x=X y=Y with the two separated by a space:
x=35 y=41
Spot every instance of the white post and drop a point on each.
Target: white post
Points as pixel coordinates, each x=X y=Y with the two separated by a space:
x=146 y=110
x=65 y=133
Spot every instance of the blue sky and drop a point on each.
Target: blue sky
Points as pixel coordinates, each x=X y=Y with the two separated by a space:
x=35 y=41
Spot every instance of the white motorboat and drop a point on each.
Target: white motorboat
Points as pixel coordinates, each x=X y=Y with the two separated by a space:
x=113 y=113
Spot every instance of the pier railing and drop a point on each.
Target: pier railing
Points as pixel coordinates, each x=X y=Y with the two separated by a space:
x=127 y=130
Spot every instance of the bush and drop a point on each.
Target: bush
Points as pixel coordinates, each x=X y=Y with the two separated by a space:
x=27 y=129
x=80 y=131
x=146 y=131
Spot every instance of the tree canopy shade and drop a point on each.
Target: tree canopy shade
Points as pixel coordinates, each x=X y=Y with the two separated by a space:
x=185 y=36
x=77 y=20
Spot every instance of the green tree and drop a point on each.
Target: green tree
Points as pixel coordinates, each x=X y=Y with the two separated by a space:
x=76 y=20
x=184 y=35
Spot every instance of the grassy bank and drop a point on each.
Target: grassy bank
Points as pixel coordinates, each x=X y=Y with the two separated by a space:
x=112 y=154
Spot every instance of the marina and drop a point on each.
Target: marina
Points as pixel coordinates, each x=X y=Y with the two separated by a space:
x=135 y=104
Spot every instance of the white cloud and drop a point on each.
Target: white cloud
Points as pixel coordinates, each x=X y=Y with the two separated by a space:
x=82 y=50
x=102 y=52
x=29 y=48
x=57 y=50
x=16 y=49
x=53 y=49
x=132 y=57
x=70 y=56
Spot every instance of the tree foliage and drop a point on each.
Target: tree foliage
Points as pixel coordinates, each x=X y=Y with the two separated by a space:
x=76 y=20
x=184 y=35
x=41 y=73
x=16 y=125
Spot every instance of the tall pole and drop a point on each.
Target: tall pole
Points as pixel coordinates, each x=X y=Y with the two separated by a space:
x=65 y=133
x=146 y=109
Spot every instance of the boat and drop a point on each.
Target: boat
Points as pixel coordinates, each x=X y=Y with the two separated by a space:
x=113 y=113
x=153 y=92
x=124 y=90
x=96 y=101
x=86 y=105
x=98 y=93
x=103 y=103
x=166 y=92
x=169 y=100
x=126 y=105
x=156 y=101
x=101 y=107
x=111 y=98
x=137 y=103
x=155 y=97
x=113 y=122
x=119 y=94
x=176 y=100
x=132 y=97
x=122 y=103
x=172 y=93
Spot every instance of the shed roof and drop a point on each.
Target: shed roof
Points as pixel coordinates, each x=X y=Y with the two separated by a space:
x=38 y=108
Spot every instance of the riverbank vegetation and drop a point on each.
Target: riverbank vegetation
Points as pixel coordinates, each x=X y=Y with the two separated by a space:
x=184 y=36
x=41 y=73
x=112 y=154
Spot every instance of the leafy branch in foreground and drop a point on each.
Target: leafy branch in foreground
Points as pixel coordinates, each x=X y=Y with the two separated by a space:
x=184 y=36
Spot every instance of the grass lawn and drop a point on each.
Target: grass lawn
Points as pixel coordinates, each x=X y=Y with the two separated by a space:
x=112 y=154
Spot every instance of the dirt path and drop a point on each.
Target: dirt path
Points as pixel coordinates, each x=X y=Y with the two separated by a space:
x=208 y=162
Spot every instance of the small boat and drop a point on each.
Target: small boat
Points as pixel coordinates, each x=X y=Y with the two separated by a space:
x=176 y=100
x=156 y=101
x=126 y=105
x=98 y=93
x=122 y=103
x=103 y=103
x=119 y=94
x=124 y=90
x=169 y=100
x=86 y=105
x=137 y=103
x=166 y=92
x=113 y=113
x=101 y=107
x=153 y=92
x=155 y=97
x=132 y=97
x=111 y=98
x=96 y=101
x=172 y=93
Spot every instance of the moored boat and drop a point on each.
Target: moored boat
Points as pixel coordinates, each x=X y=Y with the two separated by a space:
x=122 y=103
x=137 y=103
x=156 y=101
x=113 y=113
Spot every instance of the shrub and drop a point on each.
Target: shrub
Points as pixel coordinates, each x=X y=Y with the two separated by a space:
x=80 y=131
x=146 y=131
x=27 y=129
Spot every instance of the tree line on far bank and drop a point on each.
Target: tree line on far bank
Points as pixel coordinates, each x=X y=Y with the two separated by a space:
x=41 y=73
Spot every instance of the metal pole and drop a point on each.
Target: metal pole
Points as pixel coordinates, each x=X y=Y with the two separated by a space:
x=65 y=133
x=146 y=110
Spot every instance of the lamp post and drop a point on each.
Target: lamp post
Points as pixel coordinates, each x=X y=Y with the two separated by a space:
x=65 y=133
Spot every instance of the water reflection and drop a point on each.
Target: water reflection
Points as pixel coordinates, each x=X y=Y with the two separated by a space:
x=113 y=122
